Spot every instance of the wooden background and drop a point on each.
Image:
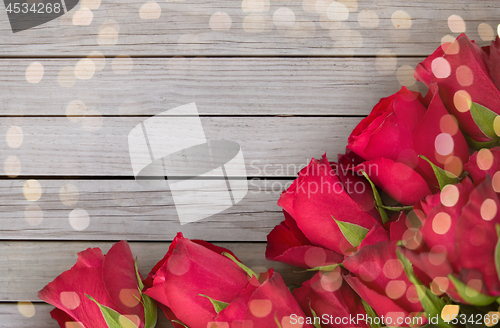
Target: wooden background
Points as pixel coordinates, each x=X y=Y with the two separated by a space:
x=286 y=79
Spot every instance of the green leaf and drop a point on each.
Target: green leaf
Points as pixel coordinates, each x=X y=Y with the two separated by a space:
x=372 y=314
x=352 y=232
x=396 y=208
x=218 y=305
x=180 y=323
x=315 y=324
x=138 y=276
x=113 y=319
x=471 y=295
x=497 y=251
x=480 y=145
x=443 y=177
x=277 y=321
x=150 y=311
x=325 y=268
x=484 y=119
x=241 y=265
x=432 y=304
x=378 y=199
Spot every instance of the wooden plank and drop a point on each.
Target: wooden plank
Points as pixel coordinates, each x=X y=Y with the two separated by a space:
x=122 y=209
x=219 y=86
x=11 y=315
x=184 y=28
x=271 y=146
x=27 y=267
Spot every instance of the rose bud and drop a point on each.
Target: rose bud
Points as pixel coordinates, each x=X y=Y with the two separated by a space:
x=98 y=286
x=400 y=135
x=459 y=232
x=329 y=297
x=316 y=198
x=378 y=277
x=463 y=72
x=485 y=162
x=194 y=283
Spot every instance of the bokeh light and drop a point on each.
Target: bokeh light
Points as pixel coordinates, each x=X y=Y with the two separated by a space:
x=220 y=21
x=75 y=110
x=284 y=17
x=32 y=190
x=12 y=166
x=337 y=11
x=449 y=195
x=462 y=101
x=368 y=18
x=34 y=72
x=441 y=68
x=69 y=194
x=441 y=223
x=84 y=69
x=33 y=215
x=260 y=308
x=464 y=75
x=14 y=137
x=450 y=312
x=79 y=219
x=26 y=309
x=82 y=17
x=401 y=19
x=486 y=32
x=485 y=159
x=150 y=10
x=456 y=24
x=489 y=209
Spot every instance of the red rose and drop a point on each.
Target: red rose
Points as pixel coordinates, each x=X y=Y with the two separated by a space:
x=111 y=280
x=316 y=198
x=286 y=243
x=329 y=297
x=193 y=273
x=399 y=129
x=464 y=72
x=378 y=277
x=459 y=239
x=484 y=162
x=262 y=304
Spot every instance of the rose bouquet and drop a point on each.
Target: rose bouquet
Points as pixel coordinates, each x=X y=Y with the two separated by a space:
x=401 y=231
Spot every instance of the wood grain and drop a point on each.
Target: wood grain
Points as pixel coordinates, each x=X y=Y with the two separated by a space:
x=122 y=209
x=271 y=146
x=219 y=86
x=26 y=267
x=184 y=29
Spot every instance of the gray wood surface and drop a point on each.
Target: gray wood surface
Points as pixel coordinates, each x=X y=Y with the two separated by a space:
x=67 y=128
x=20 y=260
x=122 y=209
x=183 y=28
x=219 y=86
x=55 y=146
